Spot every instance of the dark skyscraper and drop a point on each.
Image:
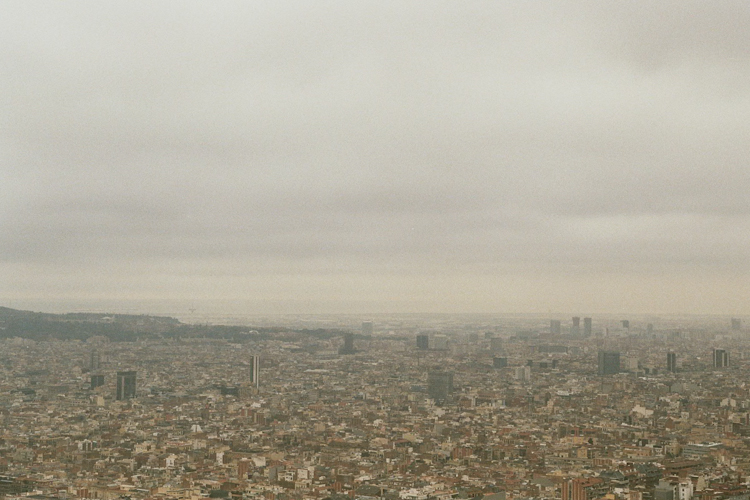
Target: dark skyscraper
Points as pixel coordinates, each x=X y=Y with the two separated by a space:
x=587 y=327
x=125 y=385
x=555 y=327
x=97 y=381
x=609 y=362
x=439 y=385
x=720 y=358
x=625 y=323
x=348 y=347
x=671 y=362
x=255 y=371
x=423 y=341
x=95 y=361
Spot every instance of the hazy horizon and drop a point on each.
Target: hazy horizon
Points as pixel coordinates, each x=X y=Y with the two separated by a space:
x=376 y=157
x=238 y=311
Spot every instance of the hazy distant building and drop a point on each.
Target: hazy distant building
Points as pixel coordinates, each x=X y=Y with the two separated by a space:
x=97 y=381
x=587 y=327
x=439 y=385
x=608 y=362
x=348 y=347
x=575 y=328
x=671 y=362
x=255 y=371
x=125 y=385
x=720 y=358
x=555 y=327
x=736 y=323
x=523 y=373
x=631 y=364
x=499 y=362
x=367 y=328
x=423 y=341
x=650 y=328
x=625 y=324
x=439 y=342
x=496 y=344
x=95 y=361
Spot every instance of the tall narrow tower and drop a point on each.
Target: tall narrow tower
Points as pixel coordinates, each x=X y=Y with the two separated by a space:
x=95 y=362
x=348 y=347
x=255 y=371
x=671 y=362
x=575 y=329
x=587 y=327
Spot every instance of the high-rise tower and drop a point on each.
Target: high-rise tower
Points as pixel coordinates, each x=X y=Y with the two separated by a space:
x=439 y=385
x=125 y=385
x=348 y=347
x=609 y=362
x=95 y=362
x=671 y=362
x=255 y=371
x=97 y=380
x=720 y=358
x=575 y=328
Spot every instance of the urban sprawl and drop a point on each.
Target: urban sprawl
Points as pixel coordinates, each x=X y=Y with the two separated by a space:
x=395 y=408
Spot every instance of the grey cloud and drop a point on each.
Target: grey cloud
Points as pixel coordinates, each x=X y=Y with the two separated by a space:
x=419 y=139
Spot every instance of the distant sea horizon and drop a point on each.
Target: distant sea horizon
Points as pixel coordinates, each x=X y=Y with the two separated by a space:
x=294 y=315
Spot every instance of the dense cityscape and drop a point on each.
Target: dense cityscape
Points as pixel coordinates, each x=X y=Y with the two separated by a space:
x=410 y=408
x=374 y=250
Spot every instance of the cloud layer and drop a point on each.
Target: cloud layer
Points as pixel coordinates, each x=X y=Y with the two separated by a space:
x=377 y=156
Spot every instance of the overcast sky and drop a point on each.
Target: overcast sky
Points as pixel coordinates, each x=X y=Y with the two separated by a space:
x=376 y=156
